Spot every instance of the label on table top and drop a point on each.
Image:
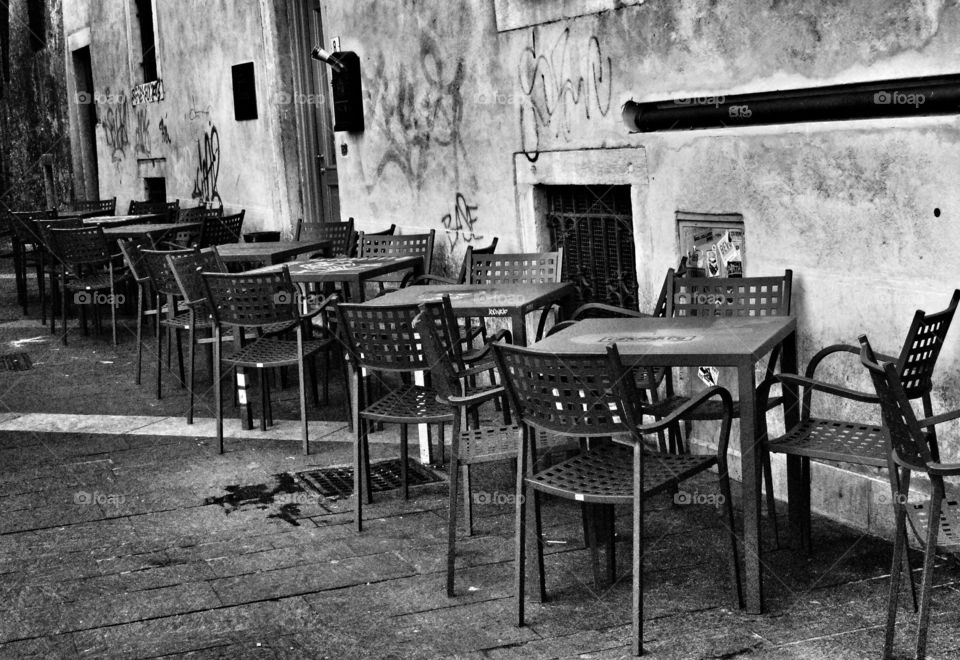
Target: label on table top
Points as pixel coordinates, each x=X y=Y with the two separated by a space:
x=631 y=338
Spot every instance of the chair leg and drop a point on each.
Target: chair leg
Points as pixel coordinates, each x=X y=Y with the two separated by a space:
x=467 y=499
x=520 y=534
x=113 y=307
x=140 y=342
x=217 y=390
x=303 y=406
x=900 y=550
x=63 y=309
x=541 y=585
x=731 y=530
x=191 y=352
x=158 y=331
x=358 y=471
x=262 y=378
x=183 y=380
x=805 y=512
x=610 y=533
x=636 y=598
x=454 y=472
x=404 y=450
x=592 y=524
x=771 y=500
x=930 y=551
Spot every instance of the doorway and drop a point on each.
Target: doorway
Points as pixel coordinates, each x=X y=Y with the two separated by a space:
x=86 y=122
x=311 y=104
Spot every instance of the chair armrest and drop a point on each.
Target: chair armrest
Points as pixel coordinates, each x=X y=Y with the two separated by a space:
x=939 y=419
x=330 y=300
x=420 y=279
x=541 y=325
x=476 y=398
x=838 y=348
x=484 y=351
x=944 y=469
x=700 y=398
x=822 y=386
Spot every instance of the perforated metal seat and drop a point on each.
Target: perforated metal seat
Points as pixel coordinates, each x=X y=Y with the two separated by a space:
x=489 y=443
x=269 y=352
x=605 y=475
x=412 y=404
x=834 y=440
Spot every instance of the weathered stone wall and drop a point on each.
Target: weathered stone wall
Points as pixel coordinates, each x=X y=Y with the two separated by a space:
x=470 y=105
x=34 y=112
x=190 y=136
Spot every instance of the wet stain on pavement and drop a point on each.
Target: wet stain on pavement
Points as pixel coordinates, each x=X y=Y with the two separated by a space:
x=262 y=496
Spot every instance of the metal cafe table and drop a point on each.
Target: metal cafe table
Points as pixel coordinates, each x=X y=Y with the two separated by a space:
x=117 y=220
x=268 y=252
x=512 y=301
x=695 y=341
x=145 y=231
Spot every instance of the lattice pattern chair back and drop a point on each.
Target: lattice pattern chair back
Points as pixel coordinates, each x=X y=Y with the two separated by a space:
x=660 y=307
x=252 y=300
x=468 y=258
x=26 y=229
x=134 y=258
x=907 y=439
x=570 y=395
x=198 y=214
x=729 y=296
x=219 y=231
x=340 y=234
x=515 y=268
x=187 y=268
x=922 y=348
x=43 y=227
x=105 y=206
x=146 y=208
x=410 y=245
x=439 y=349
x=78 y=247
x=159 y=270
x=383 y=338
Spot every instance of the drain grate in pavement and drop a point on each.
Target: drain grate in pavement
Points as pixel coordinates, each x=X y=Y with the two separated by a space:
x=384 y=475
x=15 y=362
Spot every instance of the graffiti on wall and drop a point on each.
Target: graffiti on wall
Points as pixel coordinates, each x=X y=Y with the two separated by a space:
x=150 y=92
x=164 y=135
x=208 y=167
x=194 y=114
x=461 y=224
x=418 y=112
x=141 y=139
x=114 y=124
x=555 y=84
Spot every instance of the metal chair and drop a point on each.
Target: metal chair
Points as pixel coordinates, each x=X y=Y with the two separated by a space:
x=138 y=269
x=849 y=441
x=913 y=448
x=407 y=245
x=169 y=209
x=261 y=302
x=382 y=340
x=340 y=234
x=219 y=231
x=29 y=249
x=592 y=396
x=86 y=269
x=389 y=231
x=165 y=288
x=189 y=237
x=470 y=446
x=100 y=206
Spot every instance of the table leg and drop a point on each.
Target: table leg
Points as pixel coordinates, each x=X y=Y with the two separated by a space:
x=750 y=468
x=243 y=402
x=797 y=495
x=518 y=327
x=423 y=430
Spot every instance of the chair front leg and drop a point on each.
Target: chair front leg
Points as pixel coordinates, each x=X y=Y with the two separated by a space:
x=929 y=554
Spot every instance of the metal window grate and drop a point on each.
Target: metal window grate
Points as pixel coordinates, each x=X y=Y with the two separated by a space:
x=594 y=225
x=384 y=475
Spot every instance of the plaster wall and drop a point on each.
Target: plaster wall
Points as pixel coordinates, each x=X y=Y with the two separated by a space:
x=190 y=136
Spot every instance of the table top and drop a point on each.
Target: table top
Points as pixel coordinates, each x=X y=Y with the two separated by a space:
x=140 y=218
x=682 y=341
x=145 y=229
x=338 y=269
x=268 y=250
x=479 y=299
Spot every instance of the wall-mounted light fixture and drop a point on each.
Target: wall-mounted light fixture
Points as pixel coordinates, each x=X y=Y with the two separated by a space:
x=347 y=90
x=906 y=97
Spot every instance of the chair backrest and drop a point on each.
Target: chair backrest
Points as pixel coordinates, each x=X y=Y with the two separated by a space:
x=382 y=337
x=25 y=227
x=440 y=348
x=515 y=268
x=340 y=235
x=251 y=299
x=159 y=271
x=198 y=214
x=570 y=395
x=105 y=206
x=134 y=258
x=907 y=440
x=187 y=268
x=660 y=307
x=44 y=225
x=468 y=257
x=728 y=296
x=145 y=208
x=920 y=351
x=219 y=231
x=78 y=247
x=408 y=245
x=389 y=231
